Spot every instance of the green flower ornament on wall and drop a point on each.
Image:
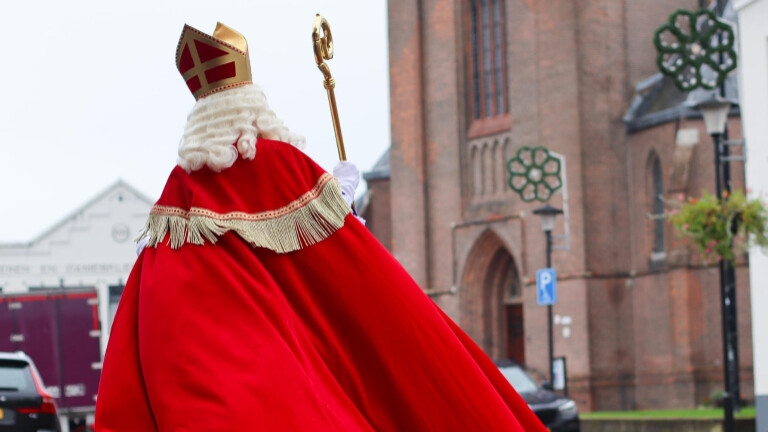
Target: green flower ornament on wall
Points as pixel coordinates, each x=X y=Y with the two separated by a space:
x=534 y=174
x=695 y=49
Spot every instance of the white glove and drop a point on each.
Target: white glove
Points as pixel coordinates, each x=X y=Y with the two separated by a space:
x=348 y=177
x=142 y=243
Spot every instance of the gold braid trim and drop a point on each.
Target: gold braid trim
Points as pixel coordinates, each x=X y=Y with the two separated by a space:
x=308 y=220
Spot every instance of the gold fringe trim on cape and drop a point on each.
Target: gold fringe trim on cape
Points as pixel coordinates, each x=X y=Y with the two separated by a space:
x=308 y=220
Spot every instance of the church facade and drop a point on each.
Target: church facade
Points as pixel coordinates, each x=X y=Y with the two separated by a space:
x=472 y=82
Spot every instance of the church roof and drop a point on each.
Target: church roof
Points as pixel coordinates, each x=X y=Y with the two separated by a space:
x=658 y=101
x=380 y=170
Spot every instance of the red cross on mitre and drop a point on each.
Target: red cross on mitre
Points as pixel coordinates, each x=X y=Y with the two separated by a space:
x=213 y=63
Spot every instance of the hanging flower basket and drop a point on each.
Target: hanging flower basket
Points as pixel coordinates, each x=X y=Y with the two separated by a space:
x=713 y=225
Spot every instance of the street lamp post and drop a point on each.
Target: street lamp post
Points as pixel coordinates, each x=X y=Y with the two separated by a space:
x=715 y=113
x=547 y=216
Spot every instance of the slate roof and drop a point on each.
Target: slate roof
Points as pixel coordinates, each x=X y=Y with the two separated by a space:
x=380 y=170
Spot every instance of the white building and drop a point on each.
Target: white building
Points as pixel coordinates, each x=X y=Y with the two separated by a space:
x=92 y=247
x=753 y=78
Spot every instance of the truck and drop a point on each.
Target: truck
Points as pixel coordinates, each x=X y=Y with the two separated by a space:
x=60 y=330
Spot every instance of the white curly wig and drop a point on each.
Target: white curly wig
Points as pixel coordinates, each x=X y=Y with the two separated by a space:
x=217 y=121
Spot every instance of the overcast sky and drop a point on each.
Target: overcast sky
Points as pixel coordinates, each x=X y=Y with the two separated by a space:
x=91 y=93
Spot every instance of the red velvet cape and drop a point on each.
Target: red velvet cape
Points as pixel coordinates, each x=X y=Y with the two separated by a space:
x=334 y=336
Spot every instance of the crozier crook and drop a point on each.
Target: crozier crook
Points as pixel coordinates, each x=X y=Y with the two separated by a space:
x=323 y=47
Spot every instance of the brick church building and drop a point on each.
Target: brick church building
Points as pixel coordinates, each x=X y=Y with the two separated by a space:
x=472 y=81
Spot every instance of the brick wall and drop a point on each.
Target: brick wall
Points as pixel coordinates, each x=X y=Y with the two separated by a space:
x=644 y=334
x=378 y=214
x=407 y=152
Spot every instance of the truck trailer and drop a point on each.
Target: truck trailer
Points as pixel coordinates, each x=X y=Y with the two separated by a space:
x=60 y=330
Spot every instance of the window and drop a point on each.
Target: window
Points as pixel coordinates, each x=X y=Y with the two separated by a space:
x=487 y=68
x=658 y=208
x=15 y=376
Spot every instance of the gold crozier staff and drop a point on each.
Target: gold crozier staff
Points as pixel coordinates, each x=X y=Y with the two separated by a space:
x=323 y=47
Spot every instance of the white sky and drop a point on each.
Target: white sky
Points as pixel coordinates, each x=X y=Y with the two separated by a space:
x=91 y=93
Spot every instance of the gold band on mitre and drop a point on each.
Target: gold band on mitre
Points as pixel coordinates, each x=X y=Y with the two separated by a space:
x=213 y=63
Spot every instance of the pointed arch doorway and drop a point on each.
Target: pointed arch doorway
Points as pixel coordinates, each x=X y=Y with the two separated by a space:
x=491 y=300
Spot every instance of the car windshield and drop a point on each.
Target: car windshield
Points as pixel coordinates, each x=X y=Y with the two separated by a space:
x=14 y=376
x=520 y=380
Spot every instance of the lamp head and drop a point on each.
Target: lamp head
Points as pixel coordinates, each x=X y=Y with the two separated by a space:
x=715 y=113
x=547 y=215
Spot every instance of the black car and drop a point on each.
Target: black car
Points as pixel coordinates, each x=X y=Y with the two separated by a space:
x=558 y=413
x=25 y=406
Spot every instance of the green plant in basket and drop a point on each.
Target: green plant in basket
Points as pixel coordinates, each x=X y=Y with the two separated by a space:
x=713 y=225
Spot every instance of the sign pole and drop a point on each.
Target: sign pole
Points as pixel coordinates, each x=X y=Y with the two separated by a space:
x=549 y=314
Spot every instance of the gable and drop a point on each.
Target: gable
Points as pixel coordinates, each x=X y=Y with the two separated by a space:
x=95 y=241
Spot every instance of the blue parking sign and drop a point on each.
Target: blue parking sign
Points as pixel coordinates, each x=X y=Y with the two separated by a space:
x=546 y=286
